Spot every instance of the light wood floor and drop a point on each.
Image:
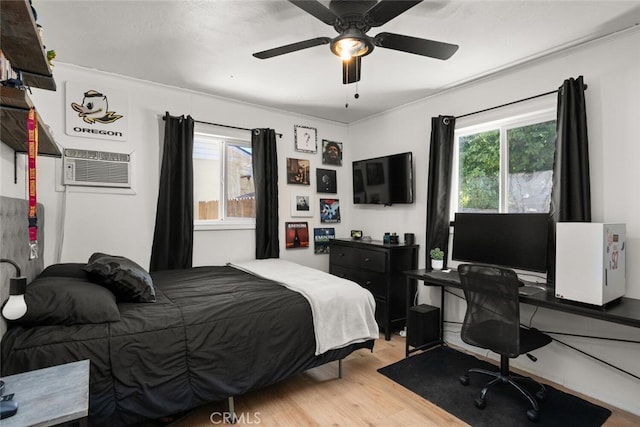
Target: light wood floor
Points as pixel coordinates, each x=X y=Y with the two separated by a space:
x=363 y=397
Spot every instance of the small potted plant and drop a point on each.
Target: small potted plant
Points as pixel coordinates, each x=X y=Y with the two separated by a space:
x=437 y=258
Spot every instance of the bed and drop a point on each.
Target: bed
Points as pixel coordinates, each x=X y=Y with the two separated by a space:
x=211 y=333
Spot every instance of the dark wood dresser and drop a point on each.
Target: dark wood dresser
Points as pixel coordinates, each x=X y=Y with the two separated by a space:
x=377 y=267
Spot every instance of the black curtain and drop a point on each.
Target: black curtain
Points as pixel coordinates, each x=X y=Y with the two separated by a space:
x=571 y=191
x=439 y=184
x=265 y=175
x=173 y=235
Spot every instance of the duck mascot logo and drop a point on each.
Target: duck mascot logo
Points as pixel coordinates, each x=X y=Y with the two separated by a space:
x=95 y=108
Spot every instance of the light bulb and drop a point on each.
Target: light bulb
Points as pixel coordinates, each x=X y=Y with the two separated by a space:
x=349 y=47
x=350 y=43
x=15 y=307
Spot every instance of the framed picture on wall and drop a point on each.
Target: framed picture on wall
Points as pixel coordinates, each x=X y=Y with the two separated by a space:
x=329 y=210
x=306 y=139
x=297 y=235
x=301 y=205
x=322 y=238
x=331 y=153
x=326 y=181
x=298 y=171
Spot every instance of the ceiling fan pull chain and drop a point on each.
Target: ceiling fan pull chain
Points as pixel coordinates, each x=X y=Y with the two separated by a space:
x=346 y=97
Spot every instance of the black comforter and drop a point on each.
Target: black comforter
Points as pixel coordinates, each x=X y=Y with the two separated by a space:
x=214 y=332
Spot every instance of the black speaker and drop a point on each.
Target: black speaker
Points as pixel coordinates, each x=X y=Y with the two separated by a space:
x=424 y=325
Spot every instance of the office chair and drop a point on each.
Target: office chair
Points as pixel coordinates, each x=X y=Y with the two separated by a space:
x=492 y=321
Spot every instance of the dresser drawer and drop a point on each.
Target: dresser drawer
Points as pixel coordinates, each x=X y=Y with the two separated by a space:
x=359 y=258
x=373 y=282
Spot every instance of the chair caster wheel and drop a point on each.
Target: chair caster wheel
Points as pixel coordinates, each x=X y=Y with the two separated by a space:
x=480 y=403
x=464 y=380
x=541 y=395
x=532 y=414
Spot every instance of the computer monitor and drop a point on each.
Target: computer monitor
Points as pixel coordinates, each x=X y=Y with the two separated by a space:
x=514 y=240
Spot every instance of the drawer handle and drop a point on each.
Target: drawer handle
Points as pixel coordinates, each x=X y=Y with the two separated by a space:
x=368 y=282
x=341 y=254
x=367 y=260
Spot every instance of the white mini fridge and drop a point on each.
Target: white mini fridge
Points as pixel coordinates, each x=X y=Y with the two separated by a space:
x=590 y=262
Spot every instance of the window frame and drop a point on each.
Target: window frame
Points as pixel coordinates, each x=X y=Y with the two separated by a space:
x=226 y=137
x=503 y=124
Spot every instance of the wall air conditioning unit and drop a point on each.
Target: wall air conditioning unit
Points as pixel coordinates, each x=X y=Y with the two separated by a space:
x=88 y=168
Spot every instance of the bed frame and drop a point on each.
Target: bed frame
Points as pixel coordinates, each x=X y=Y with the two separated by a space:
x=15 y=245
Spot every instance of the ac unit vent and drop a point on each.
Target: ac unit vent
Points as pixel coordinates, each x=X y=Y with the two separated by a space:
x=96 y=168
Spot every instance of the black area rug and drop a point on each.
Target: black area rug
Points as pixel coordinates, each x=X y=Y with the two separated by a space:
x=434 y=376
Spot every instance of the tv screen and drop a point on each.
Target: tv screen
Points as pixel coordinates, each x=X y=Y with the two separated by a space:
x=383 y=180
x=514 y=240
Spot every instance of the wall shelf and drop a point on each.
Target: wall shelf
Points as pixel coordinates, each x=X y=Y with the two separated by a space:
x=15 y=105
x=23 y=48
x=22 y=45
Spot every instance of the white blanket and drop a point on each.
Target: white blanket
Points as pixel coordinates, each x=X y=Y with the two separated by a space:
x=343 y=311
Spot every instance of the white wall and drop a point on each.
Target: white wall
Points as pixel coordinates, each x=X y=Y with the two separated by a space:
x=611 y=69
x=124 y=223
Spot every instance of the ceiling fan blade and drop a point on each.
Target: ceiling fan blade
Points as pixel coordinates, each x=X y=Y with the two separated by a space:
x=316 y=9
x=424 y=47
x=386 y=10
x=293 y=47
x=351 y=69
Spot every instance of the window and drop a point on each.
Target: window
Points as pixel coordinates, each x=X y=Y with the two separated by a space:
x=505 y=165
x=223 y=186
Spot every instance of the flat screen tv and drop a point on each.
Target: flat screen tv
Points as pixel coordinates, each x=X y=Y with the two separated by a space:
x=514 y=240
x=385 y=180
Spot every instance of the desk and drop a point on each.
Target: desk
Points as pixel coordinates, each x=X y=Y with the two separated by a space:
x=626 y=311
x=50 y=396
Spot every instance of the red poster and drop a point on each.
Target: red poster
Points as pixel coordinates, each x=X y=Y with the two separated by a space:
x=297 y=235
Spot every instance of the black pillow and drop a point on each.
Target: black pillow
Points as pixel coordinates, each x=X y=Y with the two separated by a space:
x=71 y=269
x=126 y=279
x=68 y=301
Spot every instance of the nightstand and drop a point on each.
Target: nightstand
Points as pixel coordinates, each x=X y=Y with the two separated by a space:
x=49 y=396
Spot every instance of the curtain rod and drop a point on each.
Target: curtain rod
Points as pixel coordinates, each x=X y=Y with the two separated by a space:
x=218 y=124
x=511 y=103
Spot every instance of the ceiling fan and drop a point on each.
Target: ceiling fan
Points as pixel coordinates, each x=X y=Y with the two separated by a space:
x=352 y=19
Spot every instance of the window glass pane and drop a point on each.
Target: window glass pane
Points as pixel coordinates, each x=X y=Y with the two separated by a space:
x=206 y=178
x=531 y=152
x=479 y=172
x=241 y=201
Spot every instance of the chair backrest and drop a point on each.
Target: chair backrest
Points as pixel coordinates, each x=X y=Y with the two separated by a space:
x=492 y=319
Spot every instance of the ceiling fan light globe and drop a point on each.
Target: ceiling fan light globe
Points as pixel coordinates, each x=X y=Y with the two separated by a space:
x=350 y=43
x=349 y=47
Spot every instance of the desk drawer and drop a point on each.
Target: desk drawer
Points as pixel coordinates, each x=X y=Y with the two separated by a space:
x=359 y=258
x=373 y=282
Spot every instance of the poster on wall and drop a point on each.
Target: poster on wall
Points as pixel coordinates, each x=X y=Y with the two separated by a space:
x=298 y=171
x=331 y=153
x=306 y=138
x=326 y=181
x=96 y=111
x=329 y=210
x=297 y=235
x=301 y=205
x=322 y=238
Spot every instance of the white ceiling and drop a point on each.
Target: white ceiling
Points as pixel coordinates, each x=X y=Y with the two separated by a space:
x=207 y=46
